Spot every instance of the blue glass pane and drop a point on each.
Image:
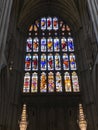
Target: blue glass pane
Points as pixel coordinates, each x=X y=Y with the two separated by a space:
x=56 y=45
x=43 y=44
x=43 y=62
x=70 y=44
x=28 y=62
x=72 y=62
x=65 y=62
x=43 y=24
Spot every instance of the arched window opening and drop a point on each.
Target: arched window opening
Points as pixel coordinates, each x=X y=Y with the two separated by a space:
x=50 y=61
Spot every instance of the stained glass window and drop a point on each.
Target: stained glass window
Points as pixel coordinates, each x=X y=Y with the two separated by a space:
x=26 y=87
x=43 y=84
x=50 y=60
x=34 y=85
x=58 y=82
x=50 y=82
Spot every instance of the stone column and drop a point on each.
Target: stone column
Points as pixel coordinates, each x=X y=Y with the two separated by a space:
x=5 y=9
x=93 y=8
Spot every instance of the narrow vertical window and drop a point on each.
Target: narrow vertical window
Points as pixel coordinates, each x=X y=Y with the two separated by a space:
x=29 y=45
x=49 y=23
x=58 y=82
x=56 y=45
x=67 y=82
x=64 y=44
x=57 y=62
x=43 y=44
x=55 y=23
x=50 y=62
x=75 y=82
x=26 y=87
x=65 y=61
x=70 y=44
x=34 y=86
x=35 y=45
x=43 y=84
x=50 y=82
x=28 y=62
x=43 y=62
x=50 y=44
x=43 y=23
x=72 y=62
x=35 y=62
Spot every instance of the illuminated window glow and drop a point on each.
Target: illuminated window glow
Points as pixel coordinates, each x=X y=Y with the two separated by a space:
x=50 y=60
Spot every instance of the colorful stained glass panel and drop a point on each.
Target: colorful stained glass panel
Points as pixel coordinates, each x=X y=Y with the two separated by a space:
x=50 y=82
x=58 y=82
x=65 y=62
x=43 y=44
x=34 y=86
x=28 y=62
x=29 y=45
x=43 y=84
x=56 y=45
x=26 y=87
x=67 y=81
x=75 y=82
x=35 y=62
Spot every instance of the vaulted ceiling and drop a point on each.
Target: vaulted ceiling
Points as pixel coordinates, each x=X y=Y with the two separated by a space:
x=33 y=9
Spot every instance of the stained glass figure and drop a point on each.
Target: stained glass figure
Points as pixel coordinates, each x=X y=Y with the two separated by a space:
x=50 y=44
x=34 y=86
x=28 y=62
x=49 y=23
x=31 y=28
x=64 y=44
x=70 y=44
x=43 y=24
x=26 y=87
x=61 y=24
x=72 y=62
x=43 y=44
x=35 y=28
x=35 y=45
x=63 y=27
x=37 y=23
x=67 y=28
x=43 y=62
x=75 y=82
x=57 y=62
x=67 y=81
x=65 y=62
x=29 y=45
x=55 y=23
x=56 y=45
x=35 y=62
x=50 y=82
x=58 y=82
x=50 y=62
x=43 y=85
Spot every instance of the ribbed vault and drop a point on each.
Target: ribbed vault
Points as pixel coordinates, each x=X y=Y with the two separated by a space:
x=32 y=10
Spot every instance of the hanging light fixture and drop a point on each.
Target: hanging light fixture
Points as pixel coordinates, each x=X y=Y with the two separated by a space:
x=82 y=121
x=23 y=122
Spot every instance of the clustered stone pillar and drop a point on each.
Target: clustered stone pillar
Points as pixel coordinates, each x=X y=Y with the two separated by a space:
x=82 y=121
x=5 y=11
x=92 y=4
x=23 y=123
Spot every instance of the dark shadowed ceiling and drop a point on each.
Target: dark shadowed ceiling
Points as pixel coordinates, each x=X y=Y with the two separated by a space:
x=33 y=9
